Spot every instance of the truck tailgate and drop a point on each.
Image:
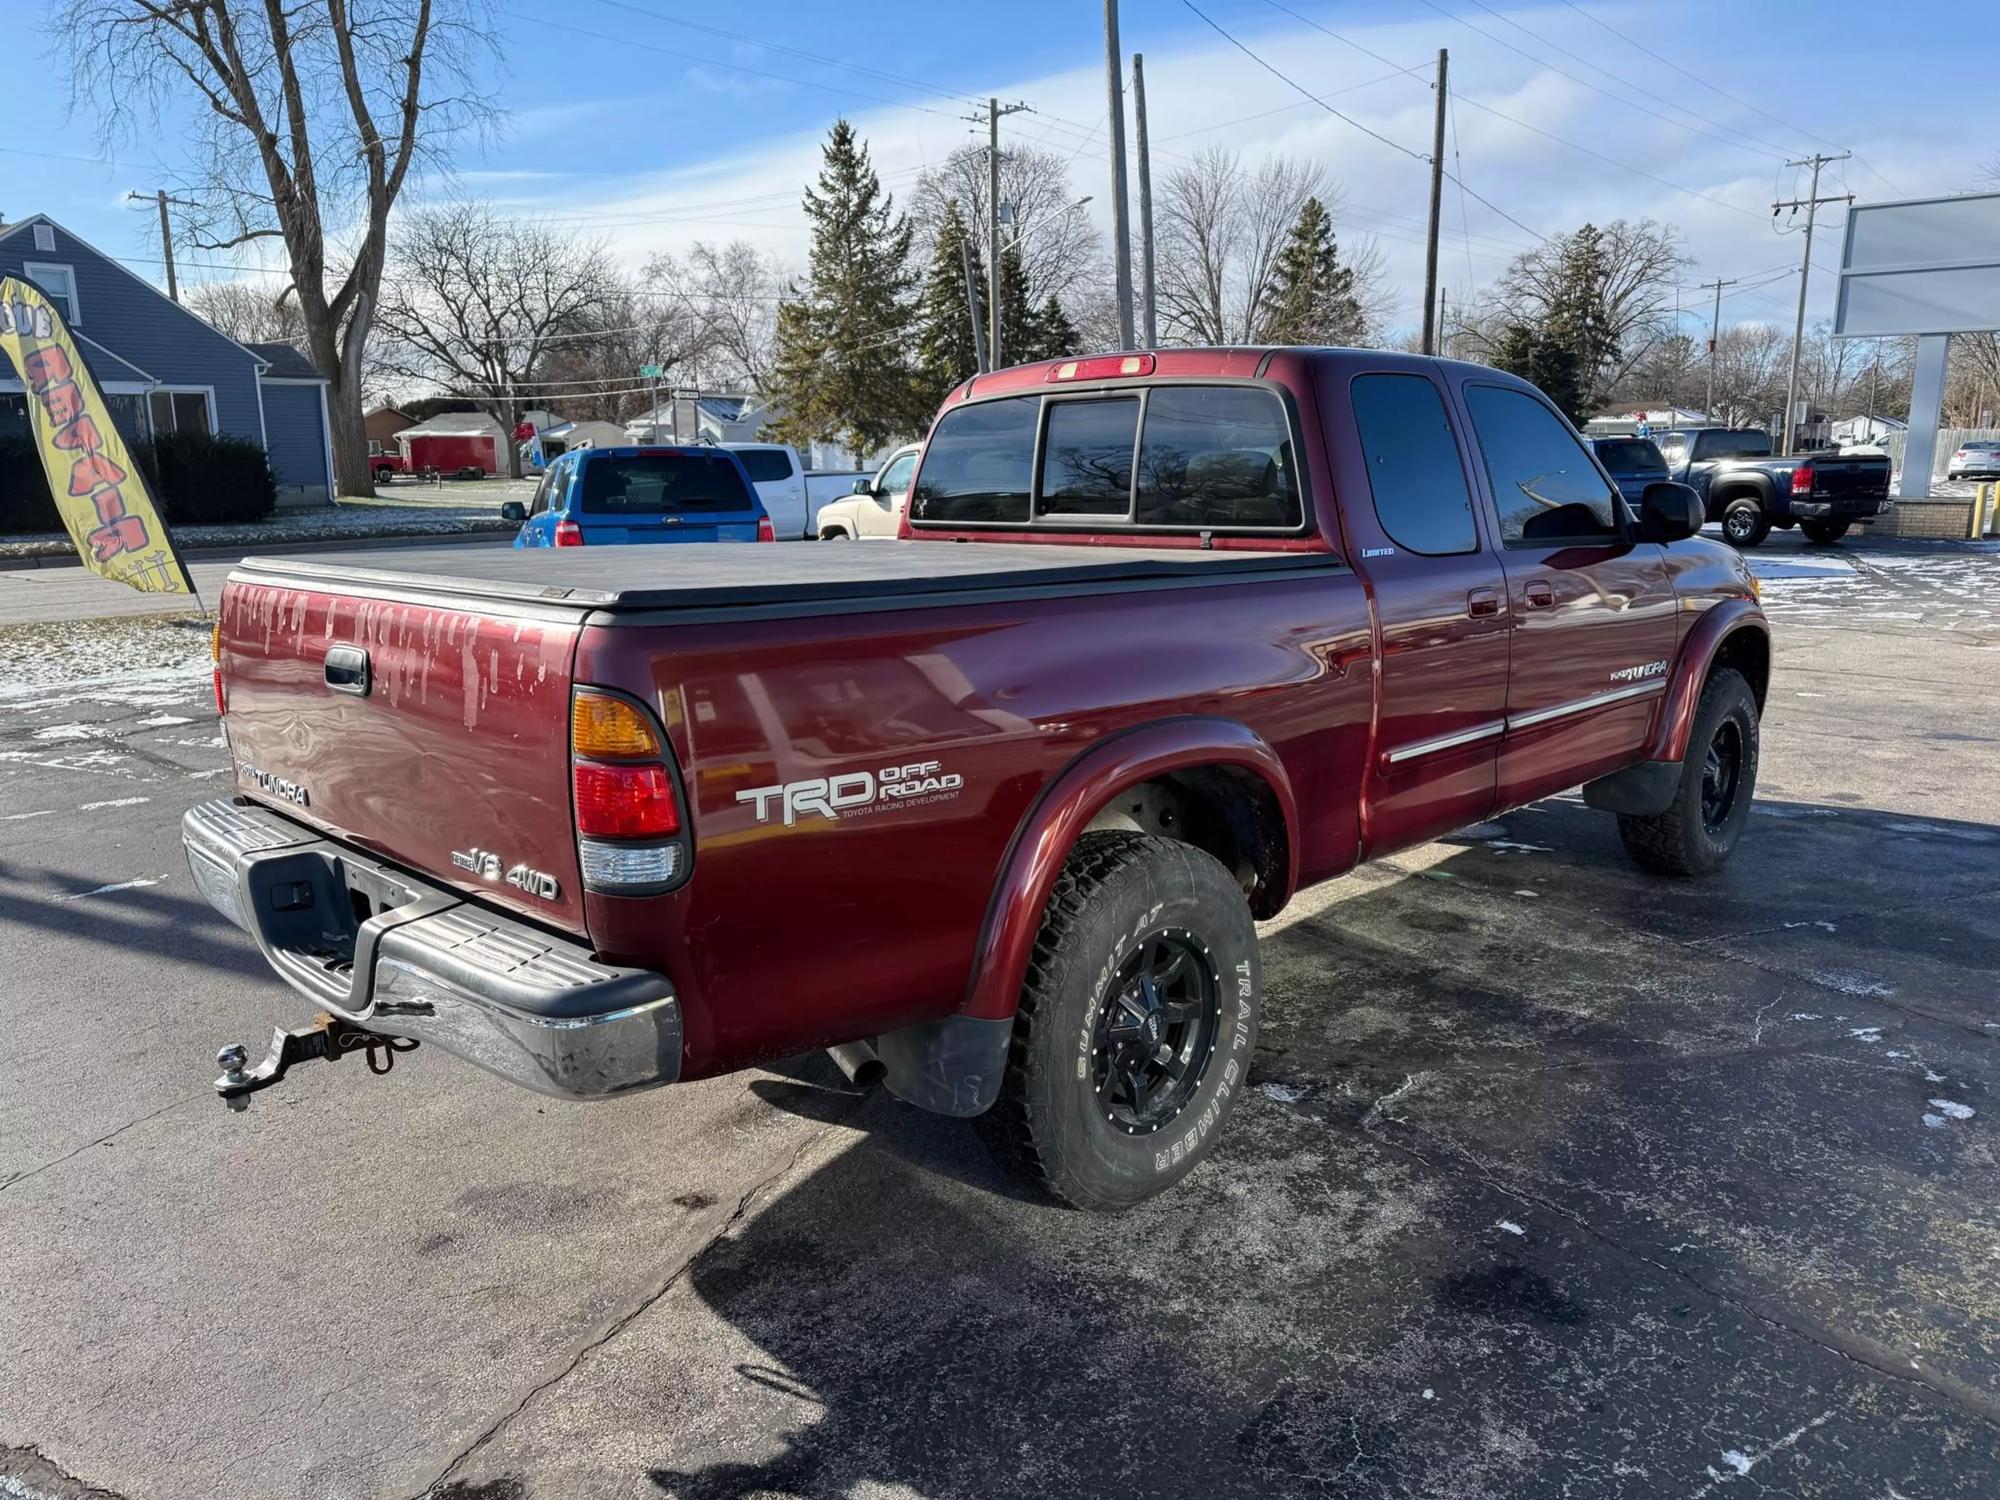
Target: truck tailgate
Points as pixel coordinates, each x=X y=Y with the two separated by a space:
x=1838 y=476
x=457 y=744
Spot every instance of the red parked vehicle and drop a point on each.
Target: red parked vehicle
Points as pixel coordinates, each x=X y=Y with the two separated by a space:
x=1169 y=637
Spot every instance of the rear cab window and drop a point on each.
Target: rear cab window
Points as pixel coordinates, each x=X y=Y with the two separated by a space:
x=766 y=465
x=1631 y=456
x=1166 y=457
x=663 y=484
x=1718 y=444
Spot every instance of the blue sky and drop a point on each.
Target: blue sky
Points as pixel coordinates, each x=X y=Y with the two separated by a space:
x=628 y=120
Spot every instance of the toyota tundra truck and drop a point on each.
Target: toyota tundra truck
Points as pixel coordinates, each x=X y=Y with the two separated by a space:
x=1166 y=638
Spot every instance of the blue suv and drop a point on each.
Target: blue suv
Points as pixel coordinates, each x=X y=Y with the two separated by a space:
x=601 y=497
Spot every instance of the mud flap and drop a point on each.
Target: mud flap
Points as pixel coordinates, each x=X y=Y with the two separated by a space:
x=1642 y=791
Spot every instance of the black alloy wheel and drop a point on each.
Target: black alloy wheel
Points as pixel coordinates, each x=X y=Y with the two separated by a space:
x=1155 y=1032
x=1721 y=774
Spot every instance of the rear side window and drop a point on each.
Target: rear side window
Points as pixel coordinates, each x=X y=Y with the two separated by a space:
x=664 y=484
x=1732 y=444
x=1631 y=456
x=1545 y=486
x=1216 y=456
x=766 y=465
x=1413 y=464
x=1087 y=458
x=979 y=463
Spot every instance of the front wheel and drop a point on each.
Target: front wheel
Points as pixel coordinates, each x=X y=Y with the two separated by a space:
x=1745 y=524
x=384 y=475
x=834 y=534
x=1699 y=829
x=1825 y=533
x=1136 y=1022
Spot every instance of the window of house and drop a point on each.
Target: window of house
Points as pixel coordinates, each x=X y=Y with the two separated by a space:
x=1087 y=458
x=1413 y=465
x=979 y=463
x=58 y=284
x=1545 y=486
x=1216 y=457
x=180 y=411
x=45 y=238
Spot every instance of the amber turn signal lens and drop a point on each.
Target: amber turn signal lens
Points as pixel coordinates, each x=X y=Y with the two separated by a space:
x=215 y=644
x=610 y=728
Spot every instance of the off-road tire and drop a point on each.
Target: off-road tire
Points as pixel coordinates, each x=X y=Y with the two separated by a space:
x=1683 y=840
x=1824 y=533
x=1744 y=523
x=1051 y=1124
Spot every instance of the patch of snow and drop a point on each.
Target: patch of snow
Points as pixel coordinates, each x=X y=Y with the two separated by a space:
x=1504 y=847
x=1741 y=1462
x=114 y=802
x=1827 y=925
x=1936 y=1122
x=1766 y=810
x=1807 y=1015
x=1429 y=1394
x=162 y=721
x=1869 y=1034
x=1930 y=1077
x=1282 y=1093
x=1952 y=1111
x=68 y=732
x=46 y=812
x=1510 y=1227
x=1969 y=835
x=1533 y=895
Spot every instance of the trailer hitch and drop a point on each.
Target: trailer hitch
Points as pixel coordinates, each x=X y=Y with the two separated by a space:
x=328 y=1036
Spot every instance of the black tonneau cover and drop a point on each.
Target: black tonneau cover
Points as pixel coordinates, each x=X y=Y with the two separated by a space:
x=719 y=575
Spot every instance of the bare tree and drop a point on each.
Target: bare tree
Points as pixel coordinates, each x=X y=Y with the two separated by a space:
x=733 y=292
x=591 y=368
x=1060 y=247
x=1749 y=374
x=474 y=302
x=315 y=112
x=248 y=312
x=1221 y=228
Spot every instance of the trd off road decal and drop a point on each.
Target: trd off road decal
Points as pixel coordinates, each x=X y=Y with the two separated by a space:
x=830 y=796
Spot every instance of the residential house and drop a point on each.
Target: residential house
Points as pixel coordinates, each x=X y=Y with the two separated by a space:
x=162 y=368
x=382 y=425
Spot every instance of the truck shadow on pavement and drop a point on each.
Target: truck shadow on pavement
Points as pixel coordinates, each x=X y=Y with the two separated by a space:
x=141 y=918
x=1551 y=1178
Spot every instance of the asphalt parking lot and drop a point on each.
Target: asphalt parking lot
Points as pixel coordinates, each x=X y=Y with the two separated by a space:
x=1554 y=1179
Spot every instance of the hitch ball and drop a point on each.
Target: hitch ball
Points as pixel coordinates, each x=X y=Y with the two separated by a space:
x=231 y=1060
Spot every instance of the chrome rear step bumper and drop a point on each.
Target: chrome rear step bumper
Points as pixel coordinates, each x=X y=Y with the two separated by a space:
x=397 y=955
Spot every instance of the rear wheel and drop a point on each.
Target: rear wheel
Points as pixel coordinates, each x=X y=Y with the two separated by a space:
x=1744 y=523
x=1697 y=832
x=1825 y=533
x=1136 y=1022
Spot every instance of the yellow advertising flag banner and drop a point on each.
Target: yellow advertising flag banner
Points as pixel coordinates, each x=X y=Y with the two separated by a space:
x=98 y=490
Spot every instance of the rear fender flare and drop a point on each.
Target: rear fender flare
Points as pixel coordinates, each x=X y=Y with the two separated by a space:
x=1698 y=652
x=1052 y=826
x=1725 y=489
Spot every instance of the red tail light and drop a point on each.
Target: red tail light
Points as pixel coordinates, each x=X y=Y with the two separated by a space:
x=766 y=532
x=568 y=534
x=625 y=802
x=632 y=839
x=1802 y=478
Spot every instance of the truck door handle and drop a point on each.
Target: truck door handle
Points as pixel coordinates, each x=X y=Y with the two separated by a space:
x=347 y=670
x=1540 y=594
x=1482 y=602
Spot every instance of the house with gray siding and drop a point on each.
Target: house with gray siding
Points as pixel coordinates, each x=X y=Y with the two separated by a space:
x=162 y=368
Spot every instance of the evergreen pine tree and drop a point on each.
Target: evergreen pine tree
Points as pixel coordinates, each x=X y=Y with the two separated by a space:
x=1311 y=297
x=1055 y=335
x=1019 y=337
x=1579 y=318
x=1543 y=361
x=841 y=369
x=946 y=353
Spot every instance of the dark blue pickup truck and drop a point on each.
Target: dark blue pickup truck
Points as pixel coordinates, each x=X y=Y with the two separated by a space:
x=1748 y=491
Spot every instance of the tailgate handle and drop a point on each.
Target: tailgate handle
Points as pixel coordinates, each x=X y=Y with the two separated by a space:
x=347 y=670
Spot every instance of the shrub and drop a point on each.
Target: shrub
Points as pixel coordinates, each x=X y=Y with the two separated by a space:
x=197 y=479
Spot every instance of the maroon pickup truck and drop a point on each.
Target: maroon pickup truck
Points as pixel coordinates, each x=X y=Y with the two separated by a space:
x=990 y=811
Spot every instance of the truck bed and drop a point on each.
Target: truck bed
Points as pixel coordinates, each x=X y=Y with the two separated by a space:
x=787 y=577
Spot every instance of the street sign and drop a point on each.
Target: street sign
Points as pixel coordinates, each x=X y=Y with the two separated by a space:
x=686 y=393
x=651 y=372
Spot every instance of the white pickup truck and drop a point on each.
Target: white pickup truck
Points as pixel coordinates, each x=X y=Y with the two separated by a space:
x=780 y=477
x=875 y=509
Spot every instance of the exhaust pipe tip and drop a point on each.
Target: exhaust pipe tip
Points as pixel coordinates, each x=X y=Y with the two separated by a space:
x=859 y=1063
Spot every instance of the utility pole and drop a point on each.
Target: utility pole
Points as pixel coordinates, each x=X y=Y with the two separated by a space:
x=1810 y=203
x=994 y=111
x=972 y=305
x=1437 y=204
x=1714 y=333
x=1121 y=229
x=1147 y=323
x=166 y=238
x=1444 y=322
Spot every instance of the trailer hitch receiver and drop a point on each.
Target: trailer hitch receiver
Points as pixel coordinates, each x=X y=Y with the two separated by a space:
x=328 y=1037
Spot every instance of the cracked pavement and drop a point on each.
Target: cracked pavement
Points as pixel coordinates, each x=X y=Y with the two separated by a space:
x=1553 y=1179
